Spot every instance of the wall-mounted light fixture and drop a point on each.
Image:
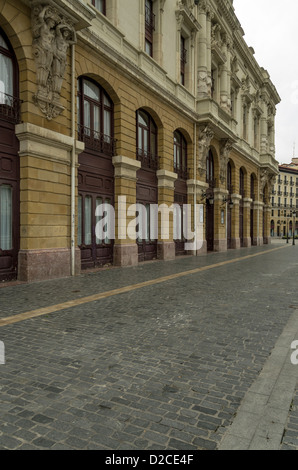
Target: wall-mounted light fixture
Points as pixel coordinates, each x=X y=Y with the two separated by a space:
x=227 y=200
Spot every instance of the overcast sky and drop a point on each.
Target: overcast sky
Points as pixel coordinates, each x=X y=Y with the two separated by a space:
x=271 y=29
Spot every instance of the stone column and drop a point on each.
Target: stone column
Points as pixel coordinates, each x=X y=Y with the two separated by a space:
x=209 y=62
x=195 y=190
x=45 y=198
x=267 y=234
x=235 y=239
x=220 y=232
x=224 y=78
x=125 y=249
x=246 y=226
x=264 y=130
x=202 y=52
x=166 y=189
x=258 y=223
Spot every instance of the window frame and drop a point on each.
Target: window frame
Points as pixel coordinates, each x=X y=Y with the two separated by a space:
x=103 y=11
x=148 y=156
x=11 y=111
x=149 y=27
x=180 y=150
x=96 y=139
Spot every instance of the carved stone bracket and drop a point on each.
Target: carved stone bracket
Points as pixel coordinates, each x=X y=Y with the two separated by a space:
x=205 y=137
x=52 y=35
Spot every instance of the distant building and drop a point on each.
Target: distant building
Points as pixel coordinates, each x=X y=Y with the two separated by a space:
x=284 y=201
x=154 y=101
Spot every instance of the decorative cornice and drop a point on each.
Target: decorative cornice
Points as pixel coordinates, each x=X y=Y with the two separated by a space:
x=185 y=16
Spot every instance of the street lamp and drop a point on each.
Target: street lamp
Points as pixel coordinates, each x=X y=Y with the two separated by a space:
x=288 y=225
x=294 y=226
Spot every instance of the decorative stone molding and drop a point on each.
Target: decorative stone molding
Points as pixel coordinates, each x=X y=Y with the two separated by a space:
x=43 y=143
x=53 y=33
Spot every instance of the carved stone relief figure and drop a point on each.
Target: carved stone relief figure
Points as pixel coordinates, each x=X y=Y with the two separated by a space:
x=52 y=35
x=268 y=178
x=205 y=137
x=225 y=151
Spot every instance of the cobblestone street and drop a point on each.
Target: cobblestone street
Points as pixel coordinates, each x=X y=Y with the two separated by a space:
x=161 y=365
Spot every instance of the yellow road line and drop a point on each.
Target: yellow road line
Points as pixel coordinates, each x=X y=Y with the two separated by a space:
x=122 y=290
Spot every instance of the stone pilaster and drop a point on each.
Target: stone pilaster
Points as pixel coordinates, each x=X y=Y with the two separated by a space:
x=195 y=190
x=125 y=249
x=166 y=182
x=220 y=233
x=202 y=52
x=235 y=238
x=45 y=198
x=246 y=224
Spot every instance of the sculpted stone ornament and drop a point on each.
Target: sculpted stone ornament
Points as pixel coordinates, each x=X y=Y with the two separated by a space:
x=205 y=137
x=225 y=151
x=266 y=178
x=52 y=35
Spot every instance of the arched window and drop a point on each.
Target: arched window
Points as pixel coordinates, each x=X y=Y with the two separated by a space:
x=241 y=182
x=146 y=140
x=180 y=155
x=9 y=162
x=229 y=178
x=9 y=104
x=6 y=73
x=95 y=117
x=210 y=168
x=252 y=187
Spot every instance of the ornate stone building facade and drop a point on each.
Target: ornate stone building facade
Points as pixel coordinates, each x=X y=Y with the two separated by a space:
x=138 y=101
x=284 y=202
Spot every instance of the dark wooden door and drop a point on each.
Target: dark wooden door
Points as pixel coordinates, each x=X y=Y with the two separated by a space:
x=96 y=186
x=241 y=222
x=147 y=194
x=180 y=198
x=229 y=228
x=210 y=226
x=252 y=226
x=9 y=201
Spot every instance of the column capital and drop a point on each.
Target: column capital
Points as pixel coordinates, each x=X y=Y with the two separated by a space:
x=166 y=179
x=125 y=167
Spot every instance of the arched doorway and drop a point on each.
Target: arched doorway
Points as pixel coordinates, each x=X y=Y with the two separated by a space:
x=9 y=162
x=272 y=228
x=147 y=192
x=210 y=201
x=229 y=206
x=96 y=172
x=252 y=197
x=241 y=207
x=180 y=196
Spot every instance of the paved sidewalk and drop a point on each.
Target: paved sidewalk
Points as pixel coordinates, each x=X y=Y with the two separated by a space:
x=184 y=355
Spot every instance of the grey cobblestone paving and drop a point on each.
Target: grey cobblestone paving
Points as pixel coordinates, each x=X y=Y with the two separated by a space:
x=163 y=367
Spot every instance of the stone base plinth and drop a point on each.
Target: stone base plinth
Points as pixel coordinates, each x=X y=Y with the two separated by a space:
x=203 y=248
x=247 y=242
x=235 y=243
x=166 y=251
x=220 y=245
x=41 y=265
x=126 y=255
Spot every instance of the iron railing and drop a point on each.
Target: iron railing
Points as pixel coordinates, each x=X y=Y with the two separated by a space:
x=148 y=159
x=10 y=108
x=97 y=141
